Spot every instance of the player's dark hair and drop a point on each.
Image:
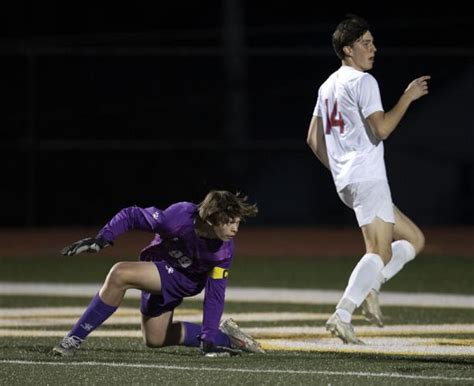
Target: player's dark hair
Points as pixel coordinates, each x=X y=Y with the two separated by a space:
x=347 y=32
x=221 y=206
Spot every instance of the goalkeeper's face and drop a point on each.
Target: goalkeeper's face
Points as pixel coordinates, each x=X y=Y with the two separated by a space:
x=228 y=230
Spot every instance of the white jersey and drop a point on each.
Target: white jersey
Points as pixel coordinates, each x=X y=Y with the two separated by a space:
x=345 y=100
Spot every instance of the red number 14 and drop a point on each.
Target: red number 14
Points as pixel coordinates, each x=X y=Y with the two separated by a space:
x=335 y=119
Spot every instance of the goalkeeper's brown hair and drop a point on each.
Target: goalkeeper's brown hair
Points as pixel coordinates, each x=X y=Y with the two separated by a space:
x=221 y=207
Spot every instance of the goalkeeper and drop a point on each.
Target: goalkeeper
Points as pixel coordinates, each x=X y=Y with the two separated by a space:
x=192 y=251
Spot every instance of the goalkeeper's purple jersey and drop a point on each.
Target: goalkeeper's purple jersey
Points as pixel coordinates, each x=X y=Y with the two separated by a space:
x=176 y=242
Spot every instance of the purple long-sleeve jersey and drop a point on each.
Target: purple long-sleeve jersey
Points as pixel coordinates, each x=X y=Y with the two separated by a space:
x=176 y=242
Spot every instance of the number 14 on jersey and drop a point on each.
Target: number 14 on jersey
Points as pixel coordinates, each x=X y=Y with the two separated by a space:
x=334 y=119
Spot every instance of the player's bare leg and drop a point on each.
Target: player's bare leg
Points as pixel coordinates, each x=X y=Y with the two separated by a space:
x=126 y=275
x=406 y=229
x=377 y=236
x=409 y=241
x=160 y=331
x=122 y=276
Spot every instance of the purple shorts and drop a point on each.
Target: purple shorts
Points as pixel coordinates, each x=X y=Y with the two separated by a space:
x=174 y=287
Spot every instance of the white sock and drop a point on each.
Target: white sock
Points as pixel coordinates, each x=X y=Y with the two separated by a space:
x=402 y=252
x=345 y=315
x=361 y=281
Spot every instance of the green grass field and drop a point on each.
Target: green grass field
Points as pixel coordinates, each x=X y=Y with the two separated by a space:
x=425 y=343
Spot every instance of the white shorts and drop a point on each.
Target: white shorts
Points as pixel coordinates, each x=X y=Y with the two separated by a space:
x=369 y=199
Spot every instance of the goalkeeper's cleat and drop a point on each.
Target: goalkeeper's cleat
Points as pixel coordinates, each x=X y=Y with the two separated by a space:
x=371 y=309
x=239 y=339
x=344 y=331
x=210 y=351
x=222 y=352
x=218 y=354
x=68 y=346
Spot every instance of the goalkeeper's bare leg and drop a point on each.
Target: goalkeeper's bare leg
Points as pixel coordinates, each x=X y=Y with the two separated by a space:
x=158 y=330
x=121 y=277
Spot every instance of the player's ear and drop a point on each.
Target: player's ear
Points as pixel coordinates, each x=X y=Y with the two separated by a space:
x=347 y=50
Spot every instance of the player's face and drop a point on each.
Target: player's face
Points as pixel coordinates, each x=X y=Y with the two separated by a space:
x=227 y=231
x=362 y=52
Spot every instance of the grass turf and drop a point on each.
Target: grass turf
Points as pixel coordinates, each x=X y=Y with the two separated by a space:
x=185 y=366
x=425 y=274
x=118 y=360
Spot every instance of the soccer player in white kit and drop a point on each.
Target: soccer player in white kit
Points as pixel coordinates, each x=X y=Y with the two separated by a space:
x=346 y=134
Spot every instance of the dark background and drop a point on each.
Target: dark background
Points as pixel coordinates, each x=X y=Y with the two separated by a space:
x=106 y=106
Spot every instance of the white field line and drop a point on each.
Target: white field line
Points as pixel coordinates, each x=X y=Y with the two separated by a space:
x=10 y=319
x=241 y=294
x=381 y=345
x=394 y=346
x=389 y=340
x=292 y=332
x=61 y=333
x=38 y=312
x=239 y=370
x=419 y=329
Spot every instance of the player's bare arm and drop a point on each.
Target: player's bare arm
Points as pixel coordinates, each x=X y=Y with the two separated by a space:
x=316 y=140
x=383 y=124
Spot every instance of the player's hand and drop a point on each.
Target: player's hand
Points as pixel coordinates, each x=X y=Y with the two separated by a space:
x=418 y=88
x=88 y=244
x=209 y=350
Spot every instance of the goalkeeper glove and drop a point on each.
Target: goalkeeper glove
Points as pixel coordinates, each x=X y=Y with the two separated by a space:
x=88 y=244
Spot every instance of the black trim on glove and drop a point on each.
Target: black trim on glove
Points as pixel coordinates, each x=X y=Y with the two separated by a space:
x=89 y=244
